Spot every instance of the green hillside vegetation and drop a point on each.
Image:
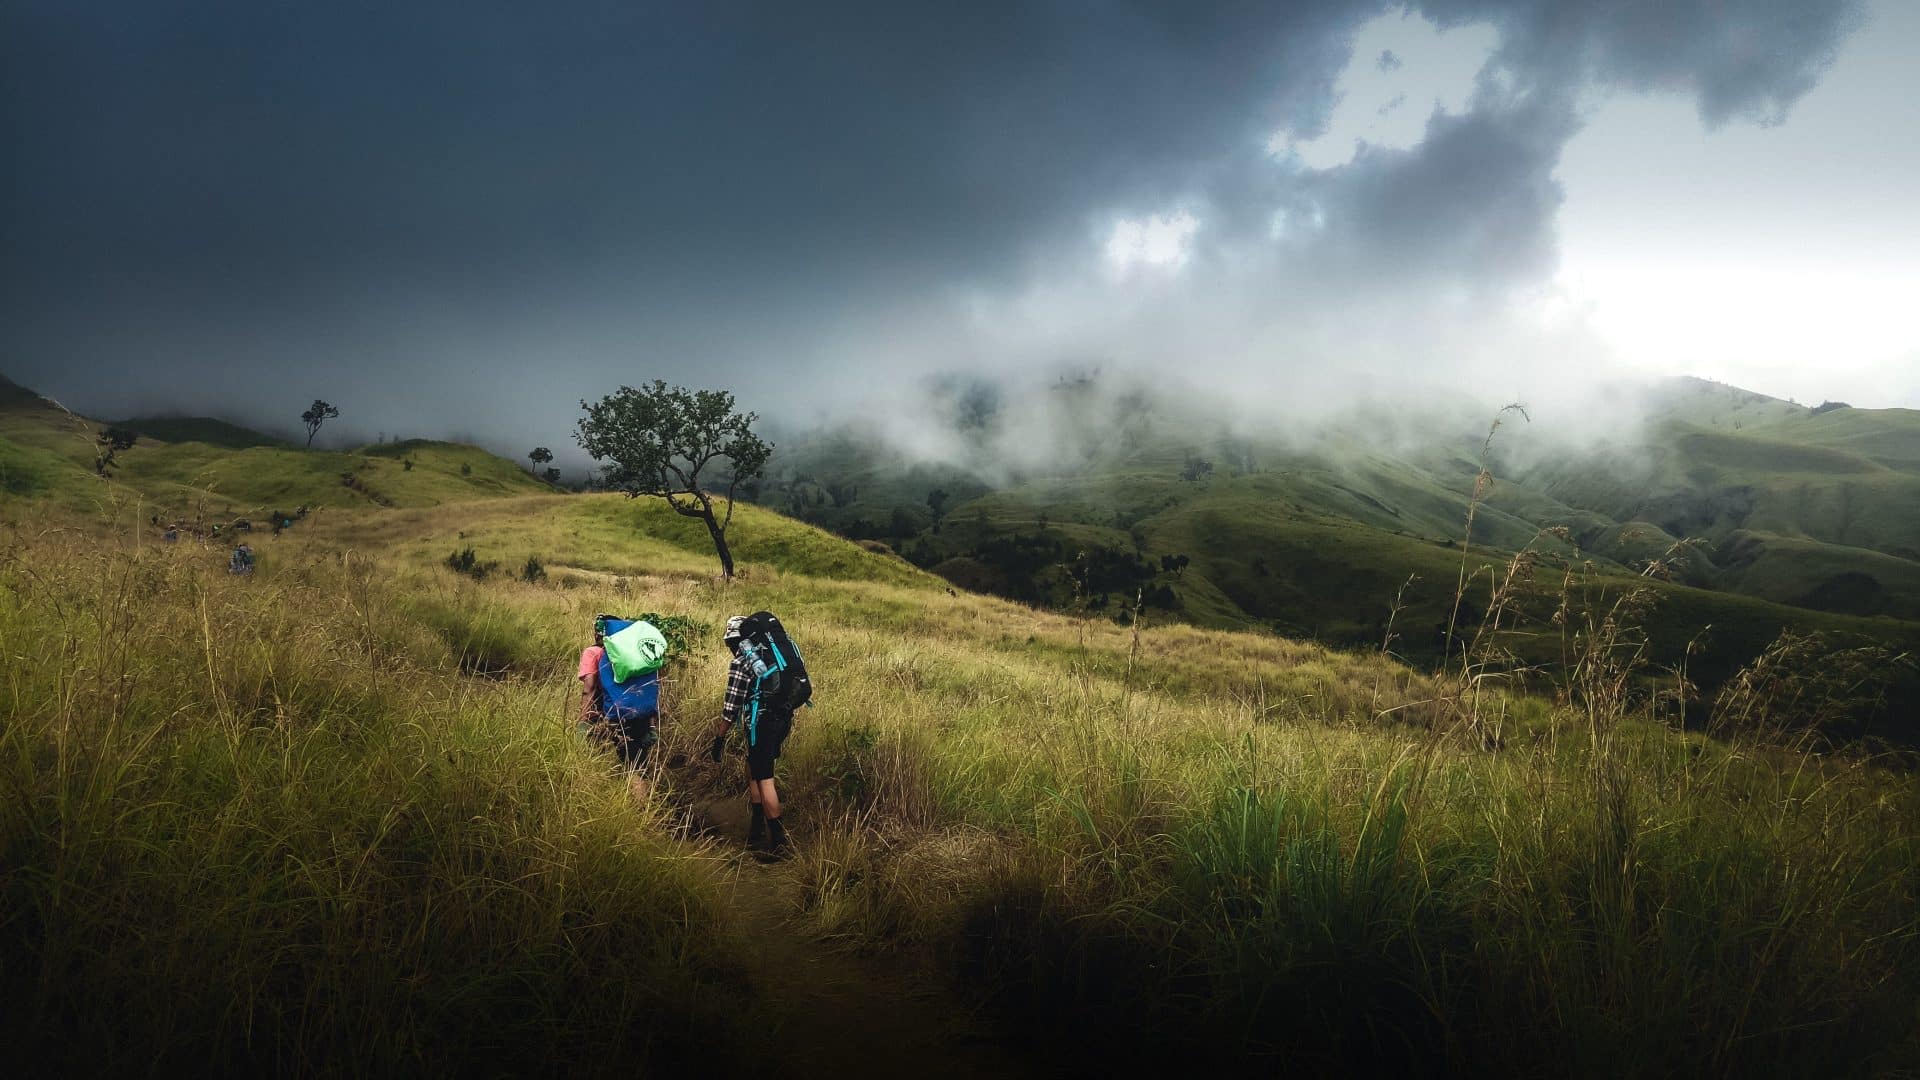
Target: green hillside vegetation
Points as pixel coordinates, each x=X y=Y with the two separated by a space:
x=610 y=536
x=264 y=825
x=201 y=472
x=1886 y=436
x=200 y=429
x=1826 y=576
x=1716 y=461
x=1793 y=519
x=1112 y=847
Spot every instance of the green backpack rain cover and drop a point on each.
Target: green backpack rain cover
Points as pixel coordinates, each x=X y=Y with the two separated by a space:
x=636 y=650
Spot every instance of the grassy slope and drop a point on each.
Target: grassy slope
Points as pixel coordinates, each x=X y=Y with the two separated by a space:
x=1829 y=577
x=1263 y=554
x=44 y=450
x=1187 y=842
x=1191 y=842
x=200 y=429
x=610 y=535
x=1037 y=800
x=1809 y=521
x=263 y=825
x=1722 y=462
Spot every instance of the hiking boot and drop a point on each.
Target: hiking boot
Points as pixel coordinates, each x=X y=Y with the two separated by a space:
x=757 y=828
x=776 y=848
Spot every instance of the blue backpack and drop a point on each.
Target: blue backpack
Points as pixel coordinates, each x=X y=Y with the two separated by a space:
x=636 y=699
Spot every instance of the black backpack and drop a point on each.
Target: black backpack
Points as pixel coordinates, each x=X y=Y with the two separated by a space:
x=783 y=681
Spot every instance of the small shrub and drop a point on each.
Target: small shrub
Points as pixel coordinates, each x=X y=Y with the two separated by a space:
x=464 y=561
x=533 y=572
x=109 y=443
x=466 y=469
x=847 y=764
x=1804 y=686
x=683 y=632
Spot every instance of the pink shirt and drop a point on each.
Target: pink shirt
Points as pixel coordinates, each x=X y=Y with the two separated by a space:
x=590 y=661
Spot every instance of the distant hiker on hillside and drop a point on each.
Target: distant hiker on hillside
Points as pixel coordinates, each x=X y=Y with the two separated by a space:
x=766 y=682
x=620 y=690
x=241 y=561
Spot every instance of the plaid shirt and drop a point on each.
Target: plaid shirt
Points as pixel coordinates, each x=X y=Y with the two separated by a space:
x=739 y=688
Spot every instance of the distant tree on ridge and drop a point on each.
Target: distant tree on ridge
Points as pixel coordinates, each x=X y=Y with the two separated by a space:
x=318 y=413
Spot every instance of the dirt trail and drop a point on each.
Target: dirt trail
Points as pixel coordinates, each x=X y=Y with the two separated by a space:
x=841 y=1014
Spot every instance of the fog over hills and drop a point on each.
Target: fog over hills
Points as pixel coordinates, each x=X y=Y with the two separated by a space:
x=1313 y=526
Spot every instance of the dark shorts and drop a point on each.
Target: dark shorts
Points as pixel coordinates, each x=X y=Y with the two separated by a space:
x=632 y=739
x=764 y=738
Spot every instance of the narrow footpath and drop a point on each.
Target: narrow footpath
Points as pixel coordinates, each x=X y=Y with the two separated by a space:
x=844 y=1014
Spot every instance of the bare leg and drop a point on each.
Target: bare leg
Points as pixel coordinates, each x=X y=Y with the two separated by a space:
x=776 y=829
x=763 y=792
x=756 y=814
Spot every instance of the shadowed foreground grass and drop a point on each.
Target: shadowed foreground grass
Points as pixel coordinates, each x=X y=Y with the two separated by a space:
x=270 y=817
x=261 y=824
x=1177 y=878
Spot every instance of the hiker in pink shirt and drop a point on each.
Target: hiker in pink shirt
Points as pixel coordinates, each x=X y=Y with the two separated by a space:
x=593 y=714
x=590 y=684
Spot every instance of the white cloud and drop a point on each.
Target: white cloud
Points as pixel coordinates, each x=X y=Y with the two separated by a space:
x=1805 y=330
x=1783 y=259
x=1163 y=240
x=1403 y=68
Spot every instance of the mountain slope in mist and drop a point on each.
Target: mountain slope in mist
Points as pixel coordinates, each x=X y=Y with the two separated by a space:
x=1350 y=531
x=1817 y=507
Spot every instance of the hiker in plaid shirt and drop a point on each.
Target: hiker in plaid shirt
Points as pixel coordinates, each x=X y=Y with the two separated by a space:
x=739 y=684
x=766 y=731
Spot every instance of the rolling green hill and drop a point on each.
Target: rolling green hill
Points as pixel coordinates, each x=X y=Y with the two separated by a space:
x=1798 y=518
x=200 y=470
x=200 y=429
x=1819 y=509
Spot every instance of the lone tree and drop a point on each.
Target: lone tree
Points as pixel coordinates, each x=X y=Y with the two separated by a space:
x=656 y=440
x=109 y=443
x=539 y=455
x=319 y=413
x=937 y=503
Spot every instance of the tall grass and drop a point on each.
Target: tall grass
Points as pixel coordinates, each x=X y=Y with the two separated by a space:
x=262 y=824
x=1354 y=899
x=1130 y=845
x=1184 y=873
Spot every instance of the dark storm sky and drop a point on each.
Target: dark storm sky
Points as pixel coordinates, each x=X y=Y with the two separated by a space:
x=461 y=218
